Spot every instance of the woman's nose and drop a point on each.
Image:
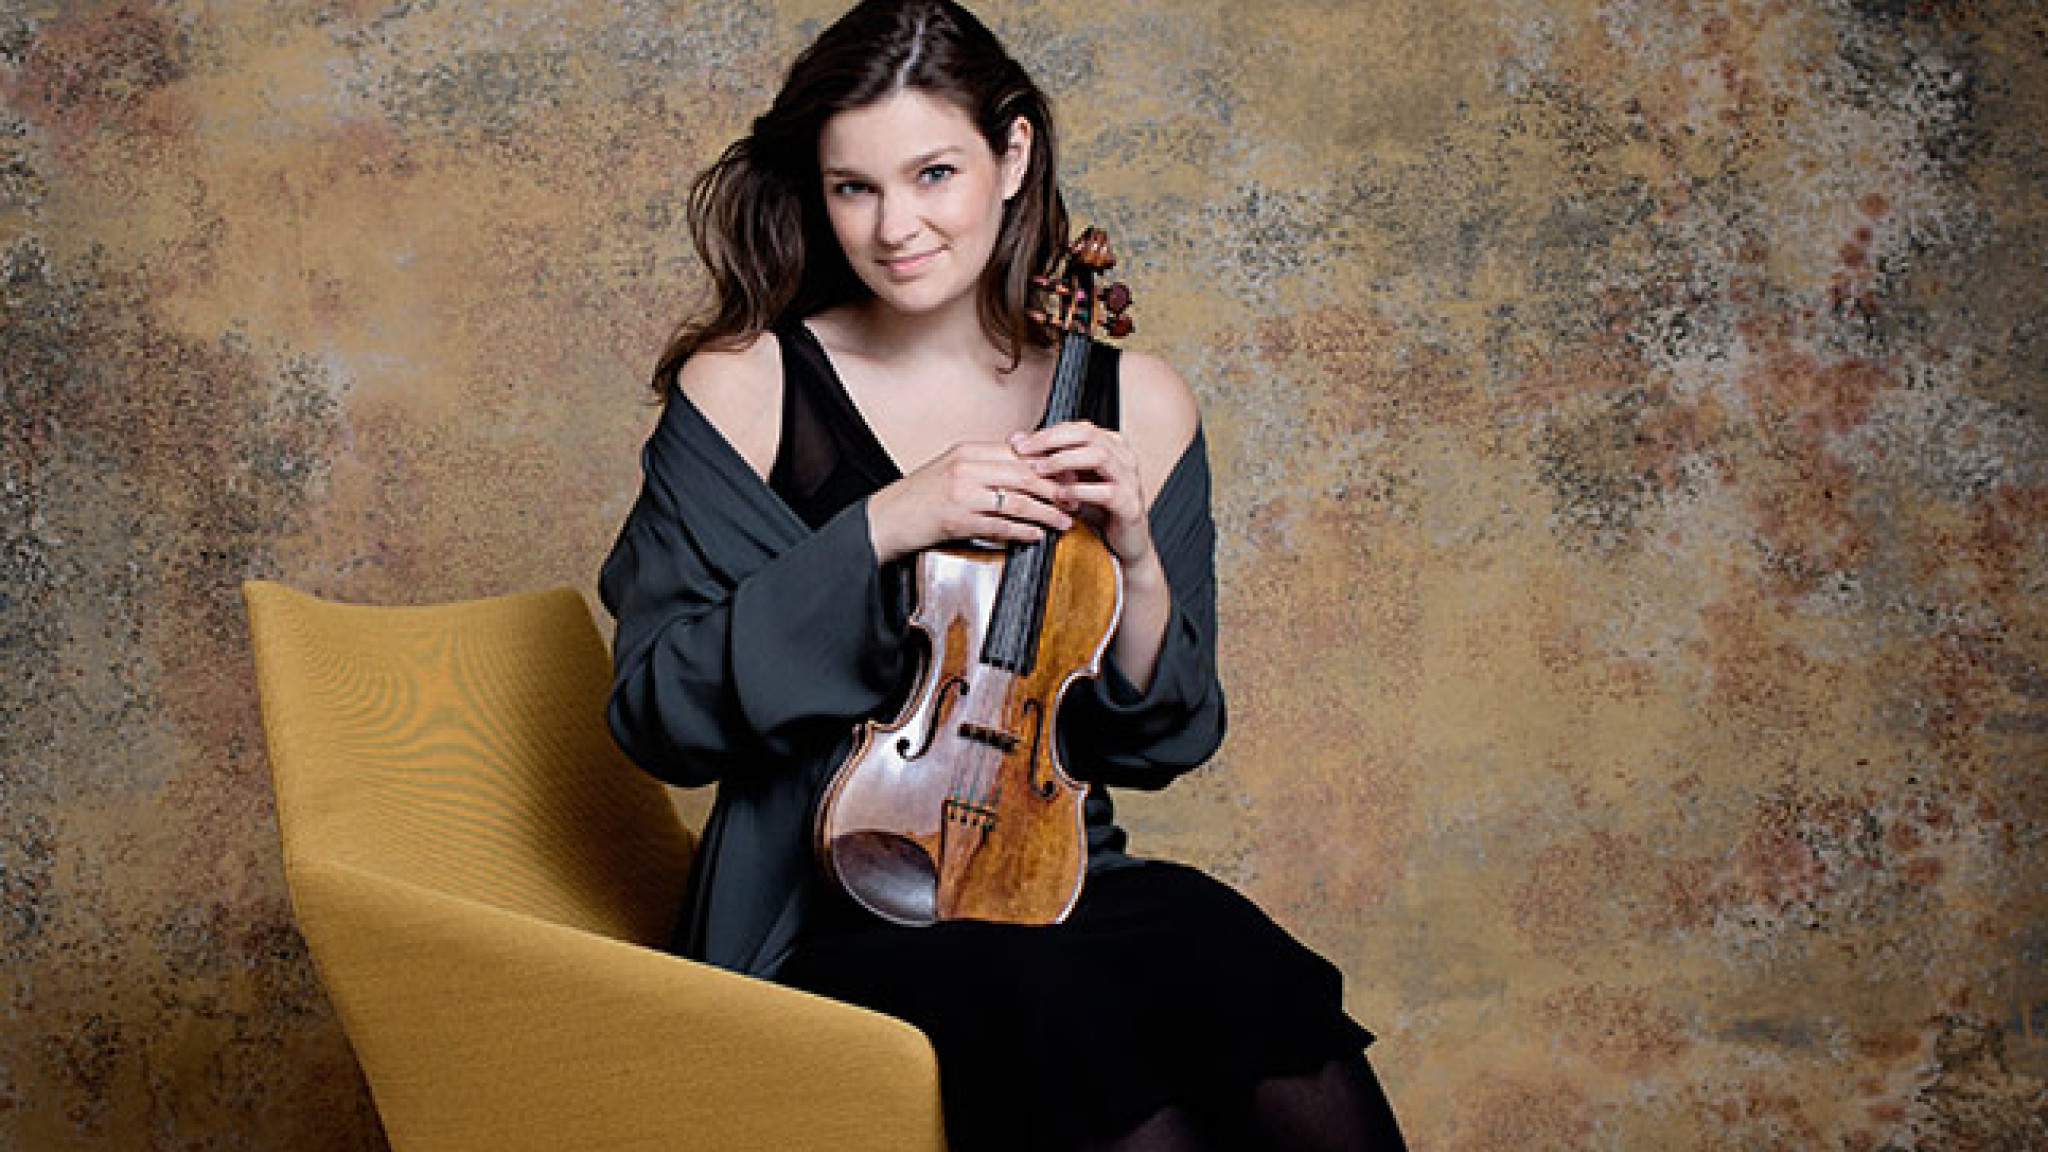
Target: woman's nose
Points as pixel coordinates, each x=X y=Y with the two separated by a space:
x=896 y=224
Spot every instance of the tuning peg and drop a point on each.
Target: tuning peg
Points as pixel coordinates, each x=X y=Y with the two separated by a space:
x=1116 y=297
x=1119 y=326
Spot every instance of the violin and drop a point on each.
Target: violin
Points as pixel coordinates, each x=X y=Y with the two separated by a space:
x=959 y=808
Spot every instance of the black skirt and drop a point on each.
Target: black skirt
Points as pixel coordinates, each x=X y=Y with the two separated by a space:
x=1163 y=987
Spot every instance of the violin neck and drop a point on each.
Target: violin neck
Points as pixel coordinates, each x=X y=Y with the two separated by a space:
x=1019 y=612
x=1069 y=381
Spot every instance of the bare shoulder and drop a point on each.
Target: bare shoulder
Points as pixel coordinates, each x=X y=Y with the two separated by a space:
x=740 y=392
x=1159 y=415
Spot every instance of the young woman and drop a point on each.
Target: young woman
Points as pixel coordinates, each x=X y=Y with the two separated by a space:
x=865 y=385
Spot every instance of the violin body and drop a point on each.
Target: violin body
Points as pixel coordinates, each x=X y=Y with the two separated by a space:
x=960 y=808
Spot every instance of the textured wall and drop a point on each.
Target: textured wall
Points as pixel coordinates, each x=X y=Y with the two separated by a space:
x=1629 y=421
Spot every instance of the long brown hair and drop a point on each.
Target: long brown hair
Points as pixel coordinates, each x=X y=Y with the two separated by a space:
x=758 y=214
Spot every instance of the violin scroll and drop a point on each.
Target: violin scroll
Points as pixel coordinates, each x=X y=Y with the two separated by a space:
x=1091 y=248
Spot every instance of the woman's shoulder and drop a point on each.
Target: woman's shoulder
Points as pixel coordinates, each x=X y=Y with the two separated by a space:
x=739 y=390
x=1159 y=414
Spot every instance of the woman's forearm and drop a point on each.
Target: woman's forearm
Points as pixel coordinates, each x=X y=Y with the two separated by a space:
x=1148 y=604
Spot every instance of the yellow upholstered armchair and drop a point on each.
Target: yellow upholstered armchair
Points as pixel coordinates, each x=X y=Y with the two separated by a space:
x=483 y=879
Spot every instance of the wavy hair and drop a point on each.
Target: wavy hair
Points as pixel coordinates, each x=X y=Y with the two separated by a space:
x=757 y=215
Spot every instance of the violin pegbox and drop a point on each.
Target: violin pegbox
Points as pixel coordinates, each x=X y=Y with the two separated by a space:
x=1071 y=301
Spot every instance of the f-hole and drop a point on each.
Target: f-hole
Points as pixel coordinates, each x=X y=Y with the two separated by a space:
x=1034 y=712
x=937 y=714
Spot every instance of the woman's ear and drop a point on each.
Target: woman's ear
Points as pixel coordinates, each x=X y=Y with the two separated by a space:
x=1016 y=157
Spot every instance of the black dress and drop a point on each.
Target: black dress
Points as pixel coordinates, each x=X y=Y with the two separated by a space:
x=1163 y=987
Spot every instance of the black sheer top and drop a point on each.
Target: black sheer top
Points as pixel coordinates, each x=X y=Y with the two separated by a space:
x=828 y=457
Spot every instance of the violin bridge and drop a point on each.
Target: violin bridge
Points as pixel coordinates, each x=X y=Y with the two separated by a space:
x=994 y=738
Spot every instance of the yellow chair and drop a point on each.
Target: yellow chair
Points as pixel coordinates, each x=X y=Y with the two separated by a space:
x=483 y=879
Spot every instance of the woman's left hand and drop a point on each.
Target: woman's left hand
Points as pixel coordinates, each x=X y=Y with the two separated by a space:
x=1099 y=481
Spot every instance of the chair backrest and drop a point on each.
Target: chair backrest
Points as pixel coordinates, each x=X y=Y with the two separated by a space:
x=462 y=748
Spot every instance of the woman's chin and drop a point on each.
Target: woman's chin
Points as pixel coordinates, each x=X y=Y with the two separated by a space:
x=916 y=298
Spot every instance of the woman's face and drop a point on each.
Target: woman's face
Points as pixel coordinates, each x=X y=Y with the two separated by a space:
x=916 y=197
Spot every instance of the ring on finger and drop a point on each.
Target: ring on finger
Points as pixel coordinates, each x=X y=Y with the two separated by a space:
x=1000 y=497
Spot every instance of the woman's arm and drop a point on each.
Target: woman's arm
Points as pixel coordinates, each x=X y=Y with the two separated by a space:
x=743 y=638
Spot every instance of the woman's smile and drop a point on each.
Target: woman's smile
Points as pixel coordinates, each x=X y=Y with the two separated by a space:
x=911 y=266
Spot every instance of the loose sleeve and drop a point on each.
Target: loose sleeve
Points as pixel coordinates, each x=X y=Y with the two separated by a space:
x=744 y=639
x=1120 y=736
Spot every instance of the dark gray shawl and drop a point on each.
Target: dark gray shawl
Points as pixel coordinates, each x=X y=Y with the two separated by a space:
x=748 y=646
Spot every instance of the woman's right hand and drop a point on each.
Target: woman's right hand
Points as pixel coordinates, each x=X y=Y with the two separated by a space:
x=971 y=491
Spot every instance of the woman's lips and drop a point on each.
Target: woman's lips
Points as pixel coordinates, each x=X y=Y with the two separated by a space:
x=904 y=266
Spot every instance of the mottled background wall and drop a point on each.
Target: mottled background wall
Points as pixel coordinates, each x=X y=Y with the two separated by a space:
x=1629 y=422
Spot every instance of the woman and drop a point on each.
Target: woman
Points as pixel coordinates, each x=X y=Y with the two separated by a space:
x=865 y=385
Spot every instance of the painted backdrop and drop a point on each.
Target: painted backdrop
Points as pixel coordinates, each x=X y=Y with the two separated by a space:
x=1629 y=423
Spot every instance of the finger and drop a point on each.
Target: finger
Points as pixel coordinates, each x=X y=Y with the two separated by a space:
x=1076 y=428
x=1116 y=499
x=1015 y=475
x=982 y=464
x=1093 y=458
x=1012 y=492
x=1026 y=507
x=1003 y=529
x=1054 y=436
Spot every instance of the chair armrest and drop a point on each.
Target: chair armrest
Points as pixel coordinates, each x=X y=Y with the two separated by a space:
x=485 y=1030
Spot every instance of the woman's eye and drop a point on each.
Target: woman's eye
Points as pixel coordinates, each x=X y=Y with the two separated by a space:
x=848 y=187
x=933 y=173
